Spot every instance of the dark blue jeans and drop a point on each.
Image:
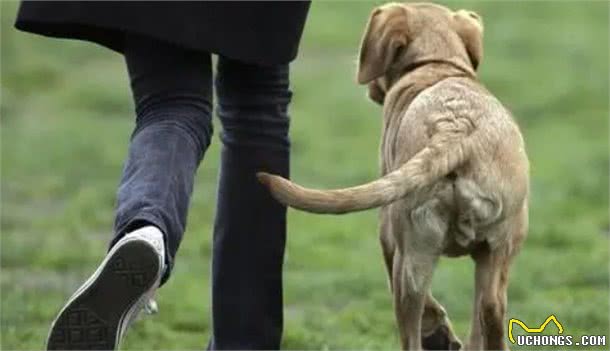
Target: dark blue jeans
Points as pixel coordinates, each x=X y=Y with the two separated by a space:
x=173 y=89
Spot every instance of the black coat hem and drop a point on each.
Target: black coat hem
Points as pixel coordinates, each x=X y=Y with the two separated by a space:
x=264 y=33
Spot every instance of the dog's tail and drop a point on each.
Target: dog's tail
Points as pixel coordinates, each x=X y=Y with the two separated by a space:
x=438 y=159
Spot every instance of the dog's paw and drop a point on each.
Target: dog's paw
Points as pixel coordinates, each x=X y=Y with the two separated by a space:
x=441 y=339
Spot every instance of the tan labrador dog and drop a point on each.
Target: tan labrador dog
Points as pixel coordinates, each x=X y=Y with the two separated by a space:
x=454 y=170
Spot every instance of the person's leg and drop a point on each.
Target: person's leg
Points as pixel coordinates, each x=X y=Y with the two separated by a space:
x=250 y=228
x=172 y=88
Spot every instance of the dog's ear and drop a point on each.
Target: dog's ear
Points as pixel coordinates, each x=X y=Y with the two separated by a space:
x=384 y=37
x=469 y=26
x=375 y=92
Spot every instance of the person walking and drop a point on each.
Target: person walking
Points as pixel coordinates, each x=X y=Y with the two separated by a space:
x=167 y=48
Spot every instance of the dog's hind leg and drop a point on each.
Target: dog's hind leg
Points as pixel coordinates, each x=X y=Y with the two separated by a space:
x=423 y=233
x=437 y=330
x=491 y=276
x=491 y=284
x=388 y=245
x=412 y=275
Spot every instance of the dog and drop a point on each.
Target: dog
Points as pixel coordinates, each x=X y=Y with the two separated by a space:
x=455 y=173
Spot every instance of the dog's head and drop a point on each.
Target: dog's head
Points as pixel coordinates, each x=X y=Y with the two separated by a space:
x=398 y=36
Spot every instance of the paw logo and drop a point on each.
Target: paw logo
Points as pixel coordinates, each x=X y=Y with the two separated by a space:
x=540 y=329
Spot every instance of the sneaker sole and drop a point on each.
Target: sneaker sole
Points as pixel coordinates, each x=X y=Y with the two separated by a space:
x=91 y=319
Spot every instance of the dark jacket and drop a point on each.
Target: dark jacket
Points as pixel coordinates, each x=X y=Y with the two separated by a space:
x=255 y=32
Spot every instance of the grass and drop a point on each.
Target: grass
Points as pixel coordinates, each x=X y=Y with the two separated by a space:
x=67 y=115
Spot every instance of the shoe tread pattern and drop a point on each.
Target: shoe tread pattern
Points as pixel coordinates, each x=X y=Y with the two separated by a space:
x=92 y=320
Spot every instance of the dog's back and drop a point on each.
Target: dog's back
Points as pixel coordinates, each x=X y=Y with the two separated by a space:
x=479 y=195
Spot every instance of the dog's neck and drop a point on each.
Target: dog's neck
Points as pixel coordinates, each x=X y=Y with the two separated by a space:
x=404 y=84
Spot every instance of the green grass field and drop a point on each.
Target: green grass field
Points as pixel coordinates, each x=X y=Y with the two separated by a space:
x=67 y=116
